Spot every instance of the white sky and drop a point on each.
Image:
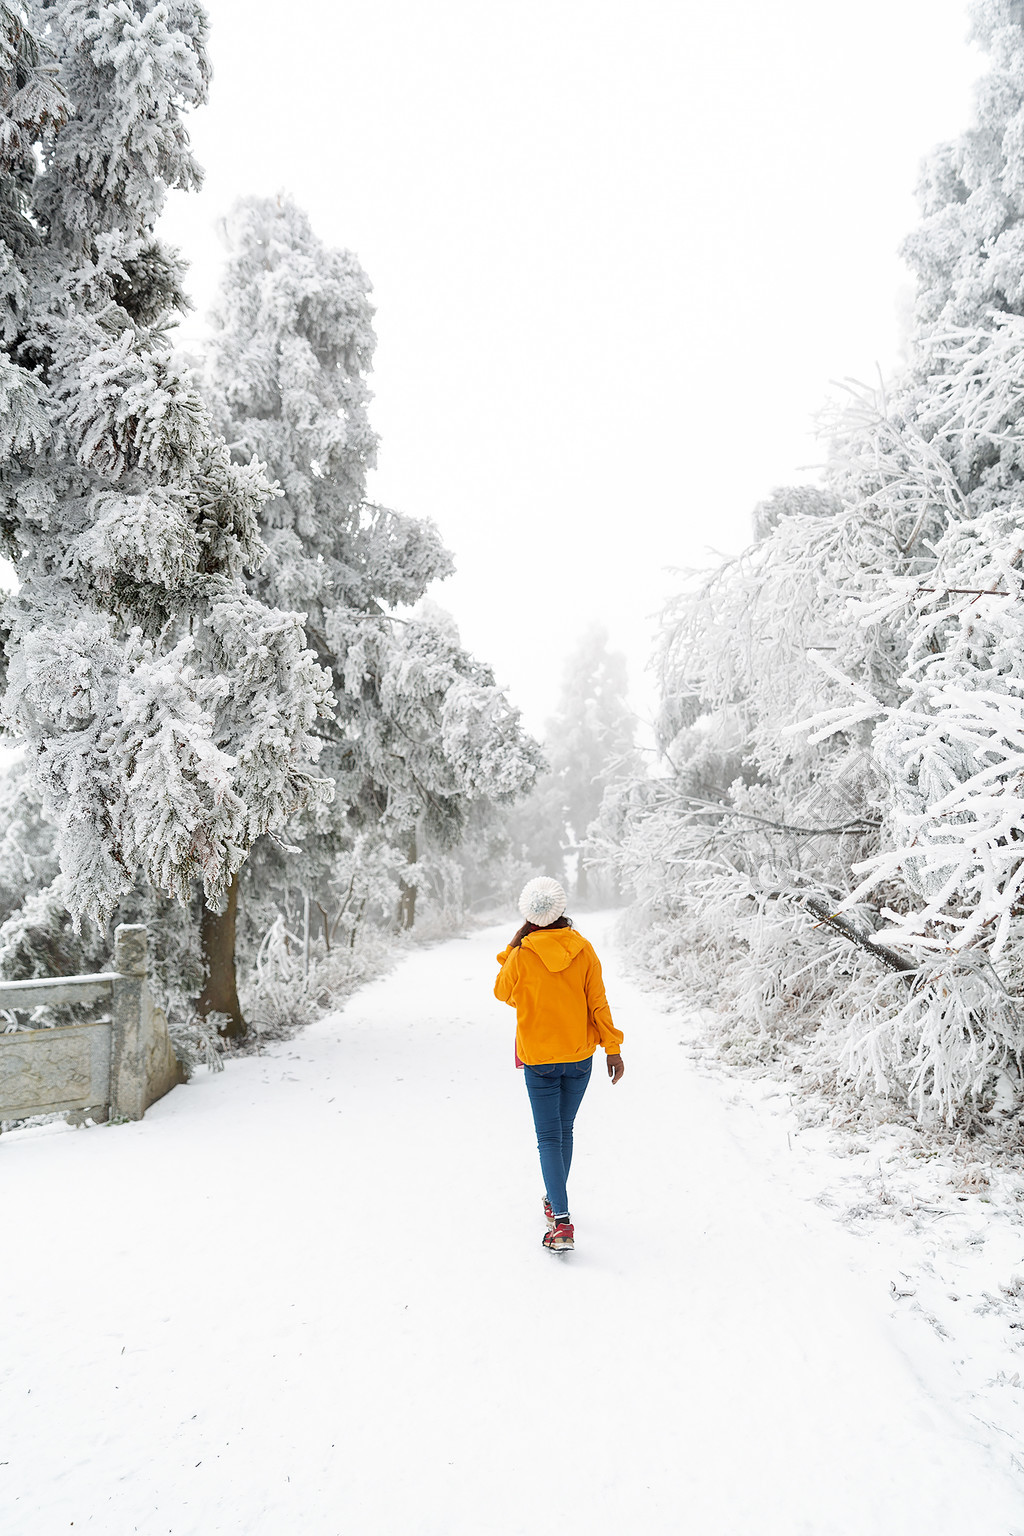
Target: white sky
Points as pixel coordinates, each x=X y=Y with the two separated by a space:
x=619 y=249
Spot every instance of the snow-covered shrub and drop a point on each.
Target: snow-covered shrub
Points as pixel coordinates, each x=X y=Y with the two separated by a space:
x=197 y=1042
x=948 y=1035
x=292 y=986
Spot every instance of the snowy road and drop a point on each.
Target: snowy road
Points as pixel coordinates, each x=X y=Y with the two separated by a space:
x=307 y=1297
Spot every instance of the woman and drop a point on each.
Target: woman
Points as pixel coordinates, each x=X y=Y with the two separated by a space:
x=551 y=976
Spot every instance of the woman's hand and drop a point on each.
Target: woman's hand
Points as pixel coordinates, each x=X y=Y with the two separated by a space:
x=615 y=1068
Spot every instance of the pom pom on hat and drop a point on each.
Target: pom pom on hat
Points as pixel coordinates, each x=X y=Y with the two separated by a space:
x=542 y=901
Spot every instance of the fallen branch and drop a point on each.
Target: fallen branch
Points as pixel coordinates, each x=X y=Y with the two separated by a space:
x=842 y=925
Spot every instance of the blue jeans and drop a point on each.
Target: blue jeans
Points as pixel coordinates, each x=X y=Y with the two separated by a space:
x=556 y=1090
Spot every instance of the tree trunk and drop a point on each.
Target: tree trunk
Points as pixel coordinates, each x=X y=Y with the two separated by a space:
x=407 y=900
x=220 y=994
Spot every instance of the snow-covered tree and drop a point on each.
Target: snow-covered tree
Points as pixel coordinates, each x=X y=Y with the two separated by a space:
x=421 y=732
x=949 y=453
x=168 y=714
x=865 y=664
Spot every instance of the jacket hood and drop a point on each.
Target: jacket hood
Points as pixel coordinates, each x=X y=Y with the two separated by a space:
x=556 y=947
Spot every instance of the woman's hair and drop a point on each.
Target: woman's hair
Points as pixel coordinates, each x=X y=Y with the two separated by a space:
x=528 y=928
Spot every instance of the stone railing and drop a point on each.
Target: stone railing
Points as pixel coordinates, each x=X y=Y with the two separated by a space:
x=113 y=1068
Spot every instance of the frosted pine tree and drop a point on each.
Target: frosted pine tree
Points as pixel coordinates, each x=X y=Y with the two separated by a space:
x=168 y=714
x=421 y=731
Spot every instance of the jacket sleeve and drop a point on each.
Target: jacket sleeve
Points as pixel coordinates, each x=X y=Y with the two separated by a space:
x=506 y=976
x=598 y=1011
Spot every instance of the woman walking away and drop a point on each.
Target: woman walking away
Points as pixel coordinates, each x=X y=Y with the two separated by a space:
x=551 y=976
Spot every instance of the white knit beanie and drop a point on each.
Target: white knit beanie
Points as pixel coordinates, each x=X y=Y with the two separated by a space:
x=542 y=901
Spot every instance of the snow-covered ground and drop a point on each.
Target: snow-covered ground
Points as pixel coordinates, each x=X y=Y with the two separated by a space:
x=308 y=1295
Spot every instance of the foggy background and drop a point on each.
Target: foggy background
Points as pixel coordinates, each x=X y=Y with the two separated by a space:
x=618 y=253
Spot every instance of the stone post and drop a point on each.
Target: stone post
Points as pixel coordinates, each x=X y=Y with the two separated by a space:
x=128 y=1045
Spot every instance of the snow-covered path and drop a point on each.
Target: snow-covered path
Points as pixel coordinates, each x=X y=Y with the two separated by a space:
x=308 y=1296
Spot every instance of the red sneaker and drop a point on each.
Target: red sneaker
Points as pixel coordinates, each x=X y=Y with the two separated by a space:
x=549 y=1215
x=559 y=1239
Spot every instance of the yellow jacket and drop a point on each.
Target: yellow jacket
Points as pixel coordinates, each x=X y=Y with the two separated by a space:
x=553 y=981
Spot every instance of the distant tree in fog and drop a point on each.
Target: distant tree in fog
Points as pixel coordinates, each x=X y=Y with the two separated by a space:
x=590 y=738
x=588 y=742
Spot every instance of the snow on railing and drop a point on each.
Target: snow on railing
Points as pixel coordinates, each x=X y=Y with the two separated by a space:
x=112 y=1067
